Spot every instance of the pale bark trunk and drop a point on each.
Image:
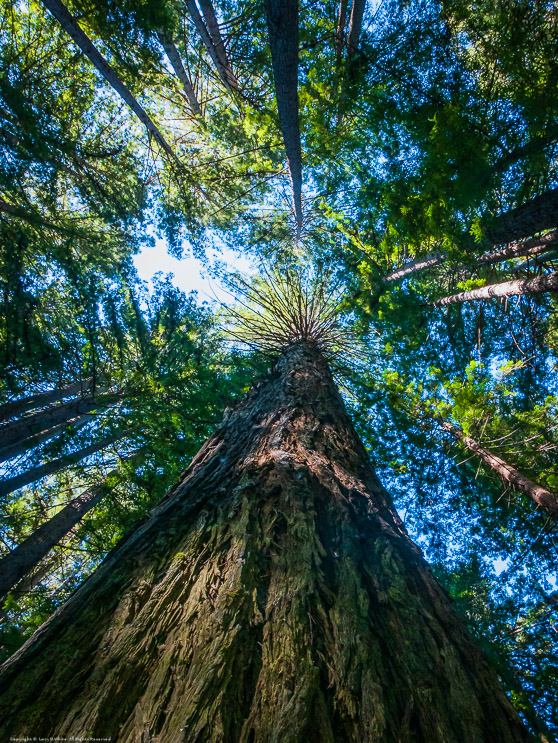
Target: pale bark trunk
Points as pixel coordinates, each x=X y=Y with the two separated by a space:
x=544 y=499
x=545 y=283
x=50 y=468
x=17 y=407
x=174 y=58
x=71 y=26
x=228 y=79
x=273 y=595
x=282 y=24
x=25 y=557
x=355 y=27
x=11 y=433
x=428 y=261
x=215 y=34
x=534 y=246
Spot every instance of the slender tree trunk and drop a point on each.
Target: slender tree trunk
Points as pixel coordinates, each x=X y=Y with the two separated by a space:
x=218 y=43
x=541 y=213
x=17 y=407
x=282 y=24
x=355 y=27
x=534 y=246
x=25 y=557
x=541 y=496
x=174 y=58
x=412 y=267
x=227 y=77
x=56 y=465
x=548 y=282
x=20 y=447
x=17 y=431
x=340 y=33
x=273 y=595
x=71 y=26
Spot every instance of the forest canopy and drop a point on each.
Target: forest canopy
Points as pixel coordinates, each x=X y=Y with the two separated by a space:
x=403 y=154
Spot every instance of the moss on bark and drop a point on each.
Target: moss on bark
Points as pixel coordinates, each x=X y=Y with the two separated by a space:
x=273 y=597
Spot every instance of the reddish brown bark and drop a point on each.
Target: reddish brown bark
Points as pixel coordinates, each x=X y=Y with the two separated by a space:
x=274 y=595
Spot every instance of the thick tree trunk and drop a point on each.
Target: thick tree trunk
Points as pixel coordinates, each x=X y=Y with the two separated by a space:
x=174 y=58
x=355 y=27
x=26 y=556
x=17 y=431
x=225 y=74
x=17 y=407
x=282 y=25
x=273 y=595
x=56 y=465
x=71 y=26
x=532 y=147
x=541 y=496
x=537 y=215
x=547 y=282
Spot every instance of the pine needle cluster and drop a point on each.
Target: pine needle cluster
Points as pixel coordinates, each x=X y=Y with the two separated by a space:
x=284 y=306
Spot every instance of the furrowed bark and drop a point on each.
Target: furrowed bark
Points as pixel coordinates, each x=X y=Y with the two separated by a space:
x=72 y=28
x=355 y=27
x=208 y=43
x=544 y=499
x=273 y=595
x=174 y=58
x=17 y=407
x=546 y=283
x=282 y=25
x=218 y=43
x=25 y=557
x=11 y=433
x=50 y=468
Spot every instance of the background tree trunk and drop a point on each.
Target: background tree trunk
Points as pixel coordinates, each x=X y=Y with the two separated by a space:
x=24 y=445
x=273 y=595
x=230 y=83
x=282 y=24
x=541 y=213
x=26 y=556
x=547 y=282
x=71 y=26
x=174 y=58
x=17 y=407
x=50 y=468
x=541 y=496
x=11 y=433
x=355 y=26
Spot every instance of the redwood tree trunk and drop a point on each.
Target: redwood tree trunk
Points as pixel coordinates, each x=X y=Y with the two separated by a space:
x=71 y=26
x=541 y=213
x=10 y=484
x=541 y=496
x=547 y=282
x=17 y=407
x=174 y=58
x=11 y=433
x=282 y=24
x=355 y=26
x=26 y=556
x=274 y=595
